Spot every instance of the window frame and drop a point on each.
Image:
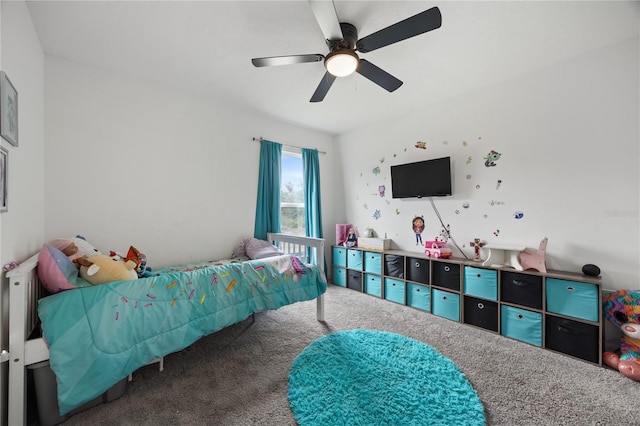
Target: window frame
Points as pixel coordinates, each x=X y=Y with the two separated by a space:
x=292 y=152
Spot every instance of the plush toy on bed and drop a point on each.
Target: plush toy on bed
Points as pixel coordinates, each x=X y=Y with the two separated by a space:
x=138 y=257
x=622 y=308
x=84 y=246
x=111 y=269
x=72 y=250
x=290 y=266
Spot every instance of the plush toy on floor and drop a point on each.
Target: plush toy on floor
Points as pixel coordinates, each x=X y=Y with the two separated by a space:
x=622 y=308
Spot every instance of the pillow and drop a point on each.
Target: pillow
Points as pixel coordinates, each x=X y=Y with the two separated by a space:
x=240 y=251
x=259 y=249
x=55 y=270
x=84 y=247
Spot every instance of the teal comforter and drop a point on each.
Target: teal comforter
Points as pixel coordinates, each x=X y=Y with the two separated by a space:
x=99 y=335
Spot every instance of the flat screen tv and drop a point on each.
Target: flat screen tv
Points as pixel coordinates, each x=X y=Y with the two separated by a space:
x=430 y=178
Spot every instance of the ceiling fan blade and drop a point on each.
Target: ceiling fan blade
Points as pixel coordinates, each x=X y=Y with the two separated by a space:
x=286 y=60
x=418 y=24
x=323 y=87
x=378 y=76
x=325 y=13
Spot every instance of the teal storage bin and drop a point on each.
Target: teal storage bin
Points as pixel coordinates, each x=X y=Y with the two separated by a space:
x=340 y=256
x=573 y=299
x=480 y=282
x=373 y=262
x=446 y=304
x=373 y=285
x=394 y=290
x=521 y=324
x=418 y=296
x=340 y=276
x=354 y=259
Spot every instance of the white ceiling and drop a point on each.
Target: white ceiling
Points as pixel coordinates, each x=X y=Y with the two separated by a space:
x=205 y=47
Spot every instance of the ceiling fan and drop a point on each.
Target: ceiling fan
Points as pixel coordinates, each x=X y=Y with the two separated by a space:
x=342 y=39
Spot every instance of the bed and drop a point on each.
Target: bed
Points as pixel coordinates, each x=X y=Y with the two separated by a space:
x=108 y=331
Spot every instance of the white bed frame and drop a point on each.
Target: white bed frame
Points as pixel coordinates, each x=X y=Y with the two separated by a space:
x=25 y=290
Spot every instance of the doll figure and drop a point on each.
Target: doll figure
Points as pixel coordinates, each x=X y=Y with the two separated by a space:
x=352 y=238
x=418 y=227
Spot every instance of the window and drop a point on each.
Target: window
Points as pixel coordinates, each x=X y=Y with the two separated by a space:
x=292 y=215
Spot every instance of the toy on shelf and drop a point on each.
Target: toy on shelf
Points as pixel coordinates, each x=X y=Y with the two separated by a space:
x=352 y=238
x=369 y=232
x=342 y=230
x=530 y=259
x=437 y=249
x=622 y=308
x=477 y=245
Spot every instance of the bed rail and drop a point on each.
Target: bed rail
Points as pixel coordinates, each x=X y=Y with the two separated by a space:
x=26 y=297
x=24 y=292
x=310 y=249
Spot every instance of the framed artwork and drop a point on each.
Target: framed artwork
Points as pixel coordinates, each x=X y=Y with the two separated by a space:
x=8 y=110
x=4 y=157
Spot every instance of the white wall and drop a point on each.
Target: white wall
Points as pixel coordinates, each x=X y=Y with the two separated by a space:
x=130 y=163
x=22 y=226
x=568 y=136
x=23 y=61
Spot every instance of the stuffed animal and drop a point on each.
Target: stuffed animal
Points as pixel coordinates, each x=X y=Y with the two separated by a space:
x=136 y=256
x=622 y=308
x=290 y=266
x=110 y=269
x=69 y=247
x=84 y=247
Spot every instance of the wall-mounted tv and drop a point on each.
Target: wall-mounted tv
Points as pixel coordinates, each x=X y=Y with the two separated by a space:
x=430 y=178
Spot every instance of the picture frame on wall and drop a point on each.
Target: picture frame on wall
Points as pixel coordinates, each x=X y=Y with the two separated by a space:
x=8 y=110
x=4 y=161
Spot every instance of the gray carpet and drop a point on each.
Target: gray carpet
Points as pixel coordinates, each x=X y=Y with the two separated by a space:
x=238 y=376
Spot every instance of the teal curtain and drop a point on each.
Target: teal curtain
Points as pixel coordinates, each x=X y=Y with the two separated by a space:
x=312 y=196
x=268 y=203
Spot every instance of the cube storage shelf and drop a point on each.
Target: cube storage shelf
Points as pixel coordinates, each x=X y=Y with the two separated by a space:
x=558 y=311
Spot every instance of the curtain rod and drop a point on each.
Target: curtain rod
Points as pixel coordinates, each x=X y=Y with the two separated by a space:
x=290 y=146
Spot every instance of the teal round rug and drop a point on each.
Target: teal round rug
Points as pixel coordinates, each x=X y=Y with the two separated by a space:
x=366 y=377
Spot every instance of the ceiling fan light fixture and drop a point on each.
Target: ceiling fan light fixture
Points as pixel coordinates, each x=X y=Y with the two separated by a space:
x=342 y=62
